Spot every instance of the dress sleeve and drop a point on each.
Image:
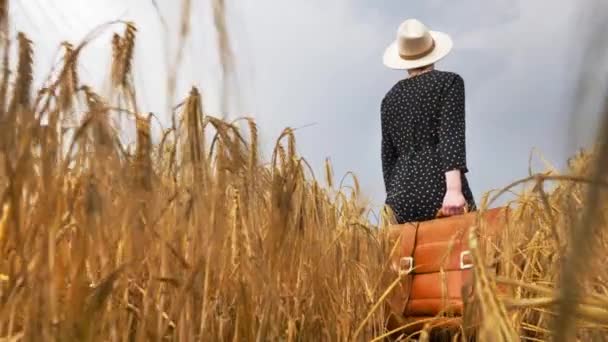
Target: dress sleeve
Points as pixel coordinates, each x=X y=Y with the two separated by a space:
x=452 y=145
x=389 y=153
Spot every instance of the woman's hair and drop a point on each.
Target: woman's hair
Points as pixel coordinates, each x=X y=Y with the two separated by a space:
x=422 y=68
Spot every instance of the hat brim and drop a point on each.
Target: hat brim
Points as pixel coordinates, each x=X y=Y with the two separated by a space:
x=443 y=46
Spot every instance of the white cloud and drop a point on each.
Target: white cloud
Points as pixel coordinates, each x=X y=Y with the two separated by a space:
x=530 y=91
x=308 y=62
x=294 y=50
x=316 y=61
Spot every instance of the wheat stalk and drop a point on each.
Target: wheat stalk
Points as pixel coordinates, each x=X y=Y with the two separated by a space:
x=69 y=83
x=23 y=83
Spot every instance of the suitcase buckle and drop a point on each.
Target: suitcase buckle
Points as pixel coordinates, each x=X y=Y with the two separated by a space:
x=406 y=265
x=466 y=261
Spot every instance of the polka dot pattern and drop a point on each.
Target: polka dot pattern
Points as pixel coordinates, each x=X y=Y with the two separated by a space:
x=423 y=137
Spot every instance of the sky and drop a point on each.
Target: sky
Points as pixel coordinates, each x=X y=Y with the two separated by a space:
x=316 y=65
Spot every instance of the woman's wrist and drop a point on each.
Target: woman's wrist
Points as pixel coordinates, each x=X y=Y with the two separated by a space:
x=453 y=182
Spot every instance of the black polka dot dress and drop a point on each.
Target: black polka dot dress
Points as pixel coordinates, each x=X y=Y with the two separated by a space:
x=423 y=137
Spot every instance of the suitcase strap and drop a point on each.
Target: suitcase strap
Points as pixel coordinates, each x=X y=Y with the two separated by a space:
x=410 y=247
x=403 y=263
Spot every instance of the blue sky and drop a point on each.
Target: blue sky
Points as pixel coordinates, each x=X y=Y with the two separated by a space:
x=318 y=63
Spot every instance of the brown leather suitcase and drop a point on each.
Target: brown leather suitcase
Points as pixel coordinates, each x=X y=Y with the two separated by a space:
x=436 y=261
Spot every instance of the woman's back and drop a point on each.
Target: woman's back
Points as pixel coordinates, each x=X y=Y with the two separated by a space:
x=423 y=131
x=411 y=110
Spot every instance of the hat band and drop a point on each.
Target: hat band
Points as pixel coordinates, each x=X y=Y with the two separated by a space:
x=419 y=55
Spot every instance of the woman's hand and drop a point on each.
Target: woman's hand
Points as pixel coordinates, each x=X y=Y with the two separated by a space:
x=453 y=203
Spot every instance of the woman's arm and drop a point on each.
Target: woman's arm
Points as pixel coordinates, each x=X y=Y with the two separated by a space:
x=388 y=152
x=452 y=145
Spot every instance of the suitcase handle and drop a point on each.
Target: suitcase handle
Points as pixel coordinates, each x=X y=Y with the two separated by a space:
x=441 y=214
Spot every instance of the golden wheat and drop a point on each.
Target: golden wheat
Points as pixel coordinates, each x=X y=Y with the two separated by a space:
x=195 y=238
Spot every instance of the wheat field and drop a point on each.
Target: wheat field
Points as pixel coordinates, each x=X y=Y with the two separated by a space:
x=192 y=237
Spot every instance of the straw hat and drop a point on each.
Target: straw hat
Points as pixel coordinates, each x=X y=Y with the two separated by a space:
x=416 y=46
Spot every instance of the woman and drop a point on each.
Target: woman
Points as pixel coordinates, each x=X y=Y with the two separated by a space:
x=423 y=129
